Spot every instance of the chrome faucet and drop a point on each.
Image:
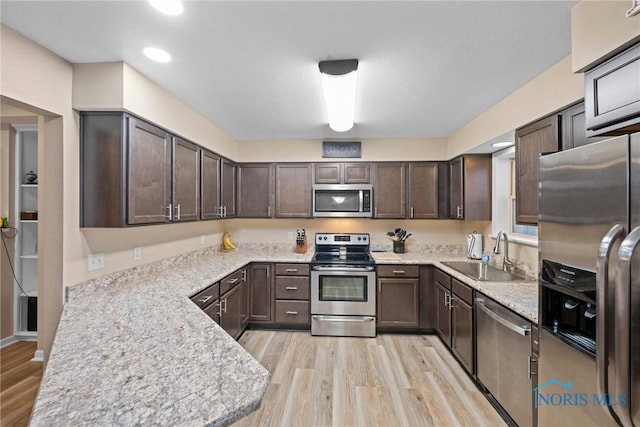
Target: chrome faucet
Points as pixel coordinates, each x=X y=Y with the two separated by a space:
x=506 y=262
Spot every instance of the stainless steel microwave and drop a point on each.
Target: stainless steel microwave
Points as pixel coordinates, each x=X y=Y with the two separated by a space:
x=342 y=200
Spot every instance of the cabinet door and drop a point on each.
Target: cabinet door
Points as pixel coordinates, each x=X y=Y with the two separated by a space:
x=423 y=190
x=398 y=303
x=293 y=190
x=389 y=190
x=244 y=303
x=228 y=188
x=462 y=332
x=230 y=319
x=574 y=128
x=456 y=188
x=149 y=171
x=210 y=185
x=356 y=173
x=328 y=173
x=477 y=187
x=255 y=190
x=186 y=181
x=531 y=141
x=261 y=294
x=443 y=313
x=612 y=95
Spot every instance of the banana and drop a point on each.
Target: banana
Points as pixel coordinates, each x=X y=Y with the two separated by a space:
x=226 y=241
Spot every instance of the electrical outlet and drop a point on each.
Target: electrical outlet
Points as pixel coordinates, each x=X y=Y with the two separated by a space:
x=137 y=253
x=95 y=261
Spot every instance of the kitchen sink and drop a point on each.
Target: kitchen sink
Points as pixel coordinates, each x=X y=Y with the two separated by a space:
x=484 y=273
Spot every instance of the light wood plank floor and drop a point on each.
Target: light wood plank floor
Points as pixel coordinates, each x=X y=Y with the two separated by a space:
x=390 y=380
x=19 y=382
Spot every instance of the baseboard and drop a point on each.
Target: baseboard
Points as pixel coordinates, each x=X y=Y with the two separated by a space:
x=38 y=356
x=8 y=341
x=26 y=336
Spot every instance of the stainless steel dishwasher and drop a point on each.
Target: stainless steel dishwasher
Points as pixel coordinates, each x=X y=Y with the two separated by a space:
x=503 y=358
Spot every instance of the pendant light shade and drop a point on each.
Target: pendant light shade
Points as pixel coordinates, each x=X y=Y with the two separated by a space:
x=339 y=81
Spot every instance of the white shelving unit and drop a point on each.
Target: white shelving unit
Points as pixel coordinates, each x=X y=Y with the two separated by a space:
x=26 y=246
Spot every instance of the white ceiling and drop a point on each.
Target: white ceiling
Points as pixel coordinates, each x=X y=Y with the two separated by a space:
x=426 y=67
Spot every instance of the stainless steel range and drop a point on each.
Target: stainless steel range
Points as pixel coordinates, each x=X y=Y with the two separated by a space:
x=343 y=286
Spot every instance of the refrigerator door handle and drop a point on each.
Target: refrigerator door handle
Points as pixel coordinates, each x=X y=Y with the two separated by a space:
x=602 y=291
x=623 y=318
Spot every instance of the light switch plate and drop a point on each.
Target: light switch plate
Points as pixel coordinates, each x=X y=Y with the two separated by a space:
x=95 y=261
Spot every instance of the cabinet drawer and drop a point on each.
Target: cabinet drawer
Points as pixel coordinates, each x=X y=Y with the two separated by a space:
x=207 y=296
x=292 y=269
x=231 y=281
x=292 y=288
x=443 y=278
x=462 y=291
x=292 y=312
x=398 y=271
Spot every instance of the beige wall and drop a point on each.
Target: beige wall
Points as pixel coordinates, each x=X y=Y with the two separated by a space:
x=7 y=140
x=550 y=91
x=600 y=29
x=309 y=150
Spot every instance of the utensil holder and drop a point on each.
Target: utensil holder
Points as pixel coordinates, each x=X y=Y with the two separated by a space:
x=398 y=246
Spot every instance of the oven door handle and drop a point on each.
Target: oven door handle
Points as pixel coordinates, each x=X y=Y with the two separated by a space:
x=365 y=319
x=339 y=269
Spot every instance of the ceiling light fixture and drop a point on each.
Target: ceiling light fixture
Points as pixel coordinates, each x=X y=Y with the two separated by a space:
x=502 y=144
x=156 y=54
x=169 y=7
x=339 y=80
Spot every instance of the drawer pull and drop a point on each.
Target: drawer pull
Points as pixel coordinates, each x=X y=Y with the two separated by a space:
x=291 y=270
x=292 y=312
x=291 y=288
x=398 y=272
x=233 y=281
x=205 y=299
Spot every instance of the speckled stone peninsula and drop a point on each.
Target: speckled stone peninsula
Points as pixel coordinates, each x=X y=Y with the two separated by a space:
x=131 y=348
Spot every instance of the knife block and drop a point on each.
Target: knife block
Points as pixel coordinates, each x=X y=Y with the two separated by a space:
x=301 y=245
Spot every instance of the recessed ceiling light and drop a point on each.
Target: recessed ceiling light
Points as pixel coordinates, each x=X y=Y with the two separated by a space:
x=156 y=54
x=502 y=144
x=170 y=7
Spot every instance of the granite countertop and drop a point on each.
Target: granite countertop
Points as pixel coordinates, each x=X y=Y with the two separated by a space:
x=131 y=347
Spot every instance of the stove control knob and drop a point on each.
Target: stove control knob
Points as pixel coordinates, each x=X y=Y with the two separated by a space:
x=325 y=237
x=359 y=238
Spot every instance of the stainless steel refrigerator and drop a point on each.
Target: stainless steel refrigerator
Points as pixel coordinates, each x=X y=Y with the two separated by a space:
x=589 y=227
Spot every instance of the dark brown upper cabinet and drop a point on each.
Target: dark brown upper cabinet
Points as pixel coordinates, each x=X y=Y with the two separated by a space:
x=389 y=190
x=228 y=179
x=532 y=140
x=293 y=190
x=612 y=95
x=125 y=171
x=210 y=185
x=342 y=173
x=186 y=180
x=423 y=190
x=574 y=131
x=255 y=190
x=470 y=187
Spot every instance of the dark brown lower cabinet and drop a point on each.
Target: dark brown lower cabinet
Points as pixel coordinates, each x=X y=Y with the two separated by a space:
x=231 y=307
x=292 y=295
x=261 y=293
x=398 y=303
x=462 y=323
x=427 y=298
x=454 y=317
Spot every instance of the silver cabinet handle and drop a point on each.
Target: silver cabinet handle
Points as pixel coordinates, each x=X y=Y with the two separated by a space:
x=602 y=291
x=268 y=268
x=233 y=281
x=622 y=327
x=205 y=299
x=399 y=272
x=170 y=211
x=530 y=371
x=411 y=211
x=291 y=270
x=244 y=275
x=522 y=330
x=177 y=215
x=459 y=211
x=219 y=304
x=447 y=300
x=291 y=312
x=376 y=211
x=291 y=288
x=224 y=211
x=223 y=303
x=269 y=211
